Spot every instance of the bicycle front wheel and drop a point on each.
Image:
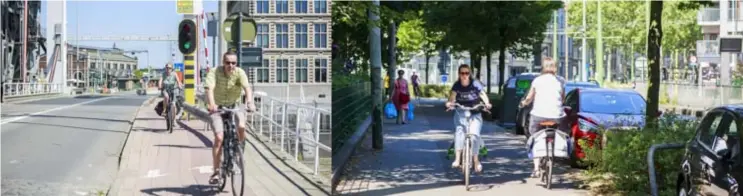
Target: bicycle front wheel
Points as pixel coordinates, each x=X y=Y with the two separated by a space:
x=467 y=153
x=238 y=171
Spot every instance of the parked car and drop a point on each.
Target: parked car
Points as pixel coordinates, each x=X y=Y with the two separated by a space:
x=513 y=91
x=522 y=115
x=592 y=109
x=712 y=164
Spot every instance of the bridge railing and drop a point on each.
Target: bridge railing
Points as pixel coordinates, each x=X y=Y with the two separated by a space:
x=300 y=131
x=13 y=90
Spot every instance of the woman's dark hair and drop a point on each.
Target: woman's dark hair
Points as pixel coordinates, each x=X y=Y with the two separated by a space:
x=400 y=72
x=465 y=66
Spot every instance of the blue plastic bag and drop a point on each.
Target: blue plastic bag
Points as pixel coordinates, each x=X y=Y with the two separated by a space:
x=410 y=111
x=390 y=111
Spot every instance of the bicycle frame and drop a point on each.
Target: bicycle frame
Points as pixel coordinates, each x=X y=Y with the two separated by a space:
x=229 y=140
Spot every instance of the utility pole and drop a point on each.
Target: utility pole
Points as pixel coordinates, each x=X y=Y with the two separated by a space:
x=375 y=44
x=565 y=46
x=599 y=75
x=554 y=38
x=584 y=49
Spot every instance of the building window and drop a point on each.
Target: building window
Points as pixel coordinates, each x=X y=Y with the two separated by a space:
x=282 y=70
x=262 y=38
x=92 y=65
x=321 y=6
x=262 y=72
x=300 y=72
x=262 y=7
x=321 y=35
x=321 y=70
x=282 y=6
x=300 y=36
x=282 y=35
x=300 y=6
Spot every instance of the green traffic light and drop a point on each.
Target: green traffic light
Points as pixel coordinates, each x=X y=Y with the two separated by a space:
x=187 y=45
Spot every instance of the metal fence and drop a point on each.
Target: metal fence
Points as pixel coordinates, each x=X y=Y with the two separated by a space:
x=351 y=104
x=696 y=96
x=11 y=90
x=300 y=131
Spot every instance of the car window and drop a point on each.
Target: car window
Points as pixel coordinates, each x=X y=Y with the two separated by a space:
x=612 y=103
x=708 y=129
x=571 y=100
x=730 y=136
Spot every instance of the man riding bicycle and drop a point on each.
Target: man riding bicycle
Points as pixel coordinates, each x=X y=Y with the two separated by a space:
x=167 y=83
x=547 y=91
x=224 y=88
x=466 y=91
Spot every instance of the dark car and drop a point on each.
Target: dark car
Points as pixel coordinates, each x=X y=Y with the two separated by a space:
x=712 y=164
x=523 y=113
x=514 y=89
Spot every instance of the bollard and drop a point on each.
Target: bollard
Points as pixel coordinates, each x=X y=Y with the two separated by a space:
x=651 y=163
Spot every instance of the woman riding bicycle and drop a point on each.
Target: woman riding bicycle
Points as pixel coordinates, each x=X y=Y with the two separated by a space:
x=547 y=91
x=466 y=91
x=167 y=83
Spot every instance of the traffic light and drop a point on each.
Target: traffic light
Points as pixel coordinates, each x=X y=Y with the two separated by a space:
x=187 y=36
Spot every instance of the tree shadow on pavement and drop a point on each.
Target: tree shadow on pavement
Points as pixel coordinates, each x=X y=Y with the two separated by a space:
x=196 y=189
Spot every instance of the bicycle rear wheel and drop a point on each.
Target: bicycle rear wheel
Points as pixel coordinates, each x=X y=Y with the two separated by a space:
x=550 y=162
x=467 y=156
x=238 y=171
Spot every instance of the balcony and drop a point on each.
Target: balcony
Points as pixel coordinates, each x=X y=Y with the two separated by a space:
x=708 y=51
x=708 y=16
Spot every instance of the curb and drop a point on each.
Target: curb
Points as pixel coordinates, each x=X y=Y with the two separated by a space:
x=126 y=140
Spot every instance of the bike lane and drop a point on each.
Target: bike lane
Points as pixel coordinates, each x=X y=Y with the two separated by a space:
x=156 y=162
x=413 y=162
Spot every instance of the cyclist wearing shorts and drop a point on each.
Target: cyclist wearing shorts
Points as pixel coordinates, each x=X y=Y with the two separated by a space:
x=547 y=91
x=224 y=88
x=167 y=83
x=467 y=92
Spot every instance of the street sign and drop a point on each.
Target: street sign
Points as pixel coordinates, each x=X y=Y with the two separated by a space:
x=178 y=66
x=184 y=6
x=248 y=31
x=251 y=57
x=444 y=78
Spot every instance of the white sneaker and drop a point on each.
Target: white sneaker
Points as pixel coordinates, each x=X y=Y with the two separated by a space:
x=455 y=164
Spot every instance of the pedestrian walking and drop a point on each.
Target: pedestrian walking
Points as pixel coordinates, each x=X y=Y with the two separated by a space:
x=401 y=97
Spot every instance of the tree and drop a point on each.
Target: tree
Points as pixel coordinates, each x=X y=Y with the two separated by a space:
x=413 y=39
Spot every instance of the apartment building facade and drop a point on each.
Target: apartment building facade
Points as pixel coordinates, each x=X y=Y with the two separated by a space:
x=296 y=40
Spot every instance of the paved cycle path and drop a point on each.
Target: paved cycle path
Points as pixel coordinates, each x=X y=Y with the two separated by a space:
x=413 y=162
x=155 y=162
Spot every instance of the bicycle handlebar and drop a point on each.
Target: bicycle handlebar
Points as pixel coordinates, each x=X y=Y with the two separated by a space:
x=480 y=107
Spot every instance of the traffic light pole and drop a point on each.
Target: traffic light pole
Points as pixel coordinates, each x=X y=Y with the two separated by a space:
x=187 y=44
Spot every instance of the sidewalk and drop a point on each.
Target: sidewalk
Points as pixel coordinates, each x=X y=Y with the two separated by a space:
x=155 y=162
x=413 y=162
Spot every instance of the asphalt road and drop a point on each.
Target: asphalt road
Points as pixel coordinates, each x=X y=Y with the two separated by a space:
x=64 y=146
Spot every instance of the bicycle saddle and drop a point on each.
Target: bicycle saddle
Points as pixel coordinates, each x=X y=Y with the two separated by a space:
x=548 y=123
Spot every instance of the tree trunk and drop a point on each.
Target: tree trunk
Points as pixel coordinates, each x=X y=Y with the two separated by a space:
x=489 y=55
x=655 y=35
x=392 y=60
x=479 y=65
x=427 y=58
x=501 y=64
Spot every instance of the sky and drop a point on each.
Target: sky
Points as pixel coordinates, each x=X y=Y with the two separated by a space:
x=122 y=18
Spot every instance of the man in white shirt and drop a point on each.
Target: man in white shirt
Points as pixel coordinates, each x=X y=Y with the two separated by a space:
x=547 y=91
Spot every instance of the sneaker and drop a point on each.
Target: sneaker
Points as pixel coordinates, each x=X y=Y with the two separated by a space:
x=455 y=164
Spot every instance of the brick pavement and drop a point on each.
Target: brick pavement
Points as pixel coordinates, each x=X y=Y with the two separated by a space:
x=413 y=162
x=155 y=162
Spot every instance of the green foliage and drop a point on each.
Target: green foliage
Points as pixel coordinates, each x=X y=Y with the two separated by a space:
x=413 y=38
x=139 y=73
x=435 y=91
x=351 y=105
x=623 y=158
x=628 y=20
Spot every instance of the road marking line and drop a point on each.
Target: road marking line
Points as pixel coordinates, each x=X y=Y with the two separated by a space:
x=154 y=174
x=204 y=169
x=51 y=110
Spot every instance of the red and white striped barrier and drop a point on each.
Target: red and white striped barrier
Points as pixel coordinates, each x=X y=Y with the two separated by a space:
x=204 y=35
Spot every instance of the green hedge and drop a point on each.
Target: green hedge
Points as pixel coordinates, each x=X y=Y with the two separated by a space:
x=621 y=166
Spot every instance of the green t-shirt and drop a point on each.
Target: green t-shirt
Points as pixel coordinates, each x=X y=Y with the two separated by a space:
x=169 y=81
